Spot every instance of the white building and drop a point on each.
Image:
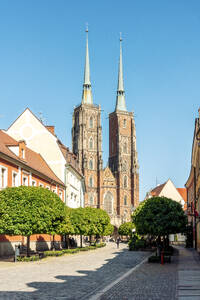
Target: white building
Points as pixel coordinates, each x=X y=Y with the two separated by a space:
x=42 y=139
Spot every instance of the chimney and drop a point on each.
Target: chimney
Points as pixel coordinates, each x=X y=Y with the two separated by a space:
x=51 y=129
x=22 y=149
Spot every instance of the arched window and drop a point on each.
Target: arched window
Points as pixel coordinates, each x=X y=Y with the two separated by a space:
x=91 y=200
x=112 y=147
x=124 y=123
x=125 y=147
x=91 y=182
x=108 y=203
x=91 y=122
x=91 y=164
x=125 y=181
x=91 y=143
x=125 y=200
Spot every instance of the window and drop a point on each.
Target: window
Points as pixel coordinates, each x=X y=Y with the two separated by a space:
x=125 y=181
x=125 y=147
x=108 y=200
x=25 y=180
x=48 y=187
x=33 y=183
x=41 y=184
x=91 y=164
x=125 y=200
x=3 y=178
x=14 y=179
x=124 y=123
x=91 y=182
x=23 y=156
x=91 y=200
x=91 y=122
x=91 y=143
x=60 y=194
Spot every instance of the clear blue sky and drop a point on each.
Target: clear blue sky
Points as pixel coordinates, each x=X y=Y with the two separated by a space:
x=42 y=50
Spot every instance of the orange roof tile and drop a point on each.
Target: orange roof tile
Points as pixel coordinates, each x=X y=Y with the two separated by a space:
x=156 y=191
x=32 y=159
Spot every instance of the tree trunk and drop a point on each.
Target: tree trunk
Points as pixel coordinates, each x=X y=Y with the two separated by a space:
x=90 y=239
x=81 y=240
x=67 y=241
x=53 y=246
x=28 y=246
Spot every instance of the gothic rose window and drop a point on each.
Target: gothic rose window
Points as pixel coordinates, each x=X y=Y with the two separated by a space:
x=108 y=200
x=91 y=164
x=125 y=181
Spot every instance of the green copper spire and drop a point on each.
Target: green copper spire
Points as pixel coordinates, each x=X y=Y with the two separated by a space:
x=87 y=92
x=120 y=101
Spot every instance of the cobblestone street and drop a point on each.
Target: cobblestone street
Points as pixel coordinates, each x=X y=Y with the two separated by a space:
x=76 y=276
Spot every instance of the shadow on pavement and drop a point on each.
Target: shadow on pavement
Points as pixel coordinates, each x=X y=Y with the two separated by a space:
x=80 y=286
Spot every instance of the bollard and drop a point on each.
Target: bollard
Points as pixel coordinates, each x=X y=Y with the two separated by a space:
x=162 y=258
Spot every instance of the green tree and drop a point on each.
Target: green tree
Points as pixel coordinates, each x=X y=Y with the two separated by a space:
x=108 y=230
x=30 y=210
x=159 y=217
x=126 y=228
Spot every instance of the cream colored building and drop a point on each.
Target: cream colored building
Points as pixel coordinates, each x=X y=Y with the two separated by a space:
x=42 y=139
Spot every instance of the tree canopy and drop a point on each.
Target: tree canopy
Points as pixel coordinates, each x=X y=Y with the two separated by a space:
x=126 y=228
x=159 y=216
x=89 y=221
x=30 y=210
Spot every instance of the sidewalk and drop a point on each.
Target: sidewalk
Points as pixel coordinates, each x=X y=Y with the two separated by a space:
x=178 y=280
x=188 y=275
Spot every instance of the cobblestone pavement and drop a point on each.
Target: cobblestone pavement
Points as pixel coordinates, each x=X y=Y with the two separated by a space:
x=68 y=277
x=188 y=275
x=148 y=282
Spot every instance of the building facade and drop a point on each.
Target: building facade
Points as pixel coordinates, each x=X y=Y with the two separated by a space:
x=193 y=187
x=116 y=187
x=19 y=165
x=43 y=140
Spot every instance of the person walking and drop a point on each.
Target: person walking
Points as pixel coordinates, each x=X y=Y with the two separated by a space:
x=118 y=240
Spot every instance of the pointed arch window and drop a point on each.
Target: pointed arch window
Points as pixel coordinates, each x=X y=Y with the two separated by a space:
x=91 y=164
x=91 y=200
x=125 y=200
x=125 y=182
x=91 y=122
x=125 y=147
x=108 y=203
x=91 y=143
x=91 y=182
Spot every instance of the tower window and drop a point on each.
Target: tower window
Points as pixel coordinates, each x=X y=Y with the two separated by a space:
x=125 y=147
x=112 y=147
x=91 y=143
x=125 y=200
x=124 y=123
x=125 y=181
x=91 y=164
x=91 y=200
x=91 y=182
x=91 y=122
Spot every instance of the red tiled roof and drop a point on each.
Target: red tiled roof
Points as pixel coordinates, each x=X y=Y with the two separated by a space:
x=32 y=159
x=183 y=193
x=156 y=191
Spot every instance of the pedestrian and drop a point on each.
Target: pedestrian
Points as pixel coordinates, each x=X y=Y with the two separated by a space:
x=118 y=240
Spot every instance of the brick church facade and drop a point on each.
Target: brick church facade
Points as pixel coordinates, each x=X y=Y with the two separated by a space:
x=116 y=187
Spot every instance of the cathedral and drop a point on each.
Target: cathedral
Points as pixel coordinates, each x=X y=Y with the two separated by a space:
x=116 y=187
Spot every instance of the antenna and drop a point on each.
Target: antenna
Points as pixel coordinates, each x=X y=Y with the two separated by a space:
x=41 y=117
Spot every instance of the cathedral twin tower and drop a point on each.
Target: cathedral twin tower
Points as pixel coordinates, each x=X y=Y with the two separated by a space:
x=115 y=188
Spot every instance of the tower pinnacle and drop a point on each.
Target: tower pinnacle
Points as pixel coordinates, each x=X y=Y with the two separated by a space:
x=120 y=101
x=87 y=92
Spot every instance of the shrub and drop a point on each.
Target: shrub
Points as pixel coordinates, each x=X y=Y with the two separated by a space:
x=26 y=258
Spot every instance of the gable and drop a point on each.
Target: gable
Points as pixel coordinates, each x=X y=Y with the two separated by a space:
x=169 y=190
